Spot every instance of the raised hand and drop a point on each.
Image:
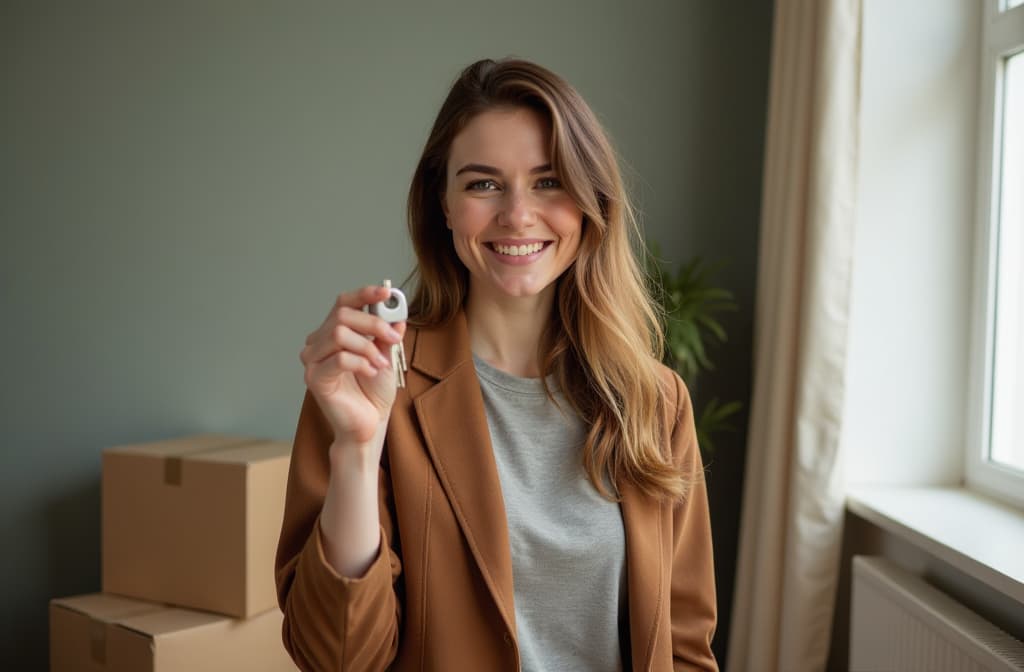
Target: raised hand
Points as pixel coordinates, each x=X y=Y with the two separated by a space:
x=348 y=366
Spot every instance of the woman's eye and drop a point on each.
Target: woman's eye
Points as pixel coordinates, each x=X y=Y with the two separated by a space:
x=549 y=183
x=481 y=185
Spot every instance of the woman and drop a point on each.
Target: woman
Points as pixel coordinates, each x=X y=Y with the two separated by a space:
x=532 y=499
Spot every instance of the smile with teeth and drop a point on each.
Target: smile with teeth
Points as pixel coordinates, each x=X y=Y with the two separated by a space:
x=517 y=250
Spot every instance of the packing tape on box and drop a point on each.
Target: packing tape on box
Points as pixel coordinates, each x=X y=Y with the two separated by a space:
x=173 y=464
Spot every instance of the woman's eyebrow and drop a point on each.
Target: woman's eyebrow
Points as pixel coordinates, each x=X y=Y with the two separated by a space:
x=491 y=170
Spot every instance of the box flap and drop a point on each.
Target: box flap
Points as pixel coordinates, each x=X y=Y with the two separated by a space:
x=169 y=620
x=258 y=451
x=106 y=608
x=82 y=638
x=166 y=640
x=147 y=618
x=181 y=446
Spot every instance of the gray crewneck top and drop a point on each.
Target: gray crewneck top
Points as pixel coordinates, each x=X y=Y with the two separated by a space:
x=568 y=543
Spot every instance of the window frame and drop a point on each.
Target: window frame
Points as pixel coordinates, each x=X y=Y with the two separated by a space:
x=1002 y=36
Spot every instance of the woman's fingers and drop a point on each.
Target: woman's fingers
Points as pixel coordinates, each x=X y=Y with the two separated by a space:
x=367 y=324
x=351 y=340
x=385 y=345
x=359 y=298
x=336 y=334
x=343 y=360
x=337 y=364
x=345 y=339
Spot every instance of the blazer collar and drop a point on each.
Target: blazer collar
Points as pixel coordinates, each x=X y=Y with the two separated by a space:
x=439 y=350
x=454 y=422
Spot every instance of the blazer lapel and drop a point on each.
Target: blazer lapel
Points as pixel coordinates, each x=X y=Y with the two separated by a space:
x=454 y=423
x=641 y=516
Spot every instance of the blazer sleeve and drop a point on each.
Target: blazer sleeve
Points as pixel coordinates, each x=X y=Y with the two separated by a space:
x=693 y=607
x=332 y=622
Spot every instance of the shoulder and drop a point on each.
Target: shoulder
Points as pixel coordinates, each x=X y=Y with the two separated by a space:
x=679 y=421
x=674 y=392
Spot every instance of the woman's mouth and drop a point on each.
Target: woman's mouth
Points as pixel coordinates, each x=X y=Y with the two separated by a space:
x=526 y=249
x=518 y=254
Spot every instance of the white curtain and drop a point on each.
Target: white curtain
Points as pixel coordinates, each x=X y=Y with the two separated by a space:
x=793 y=495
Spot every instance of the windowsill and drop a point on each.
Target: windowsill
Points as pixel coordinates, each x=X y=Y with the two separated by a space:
x=976 y=535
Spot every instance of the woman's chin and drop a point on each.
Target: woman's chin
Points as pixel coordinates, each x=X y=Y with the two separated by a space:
x=518 y=290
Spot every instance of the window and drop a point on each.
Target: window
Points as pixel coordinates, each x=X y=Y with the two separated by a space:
x=995 y=459
x=1007 y=445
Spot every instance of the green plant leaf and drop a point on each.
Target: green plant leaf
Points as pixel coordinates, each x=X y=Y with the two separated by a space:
x=690 y=304
x=713 y=420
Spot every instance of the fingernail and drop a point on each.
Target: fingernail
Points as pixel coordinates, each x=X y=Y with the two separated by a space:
x=382 y=360
x=394 y=334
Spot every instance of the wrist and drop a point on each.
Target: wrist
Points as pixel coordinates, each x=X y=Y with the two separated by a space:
x=360 y=456
x=355 y=459
x=352 y=458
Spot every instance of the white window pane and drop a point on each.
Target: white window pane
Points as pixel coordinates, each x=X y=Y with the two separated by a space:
x=1008 y=374
x=1010 y=4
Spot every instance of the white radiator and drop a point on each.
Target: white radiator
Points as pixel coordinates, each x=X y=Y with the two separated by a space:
x=899 y=622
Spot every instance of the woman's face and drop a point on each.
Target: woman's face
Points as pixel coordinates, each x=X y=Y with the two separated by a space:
x=514 y=227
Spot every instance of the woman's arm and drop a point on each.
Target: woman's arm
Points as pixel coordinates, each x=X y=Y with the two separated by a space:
x=694 y=607
x=349 y=522
x=332 y=621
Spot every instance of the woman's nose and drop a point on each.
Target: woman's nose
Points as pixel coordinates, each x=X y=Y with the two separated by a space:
x=517 y=210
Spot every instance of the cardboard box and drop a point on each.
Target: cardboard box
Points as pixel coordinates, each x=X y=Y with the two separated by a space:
x=106 y=633
x=194 y=522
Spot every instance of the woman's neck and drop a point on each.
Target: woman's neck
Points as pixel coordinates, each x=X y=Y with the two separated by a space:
x=505 y=331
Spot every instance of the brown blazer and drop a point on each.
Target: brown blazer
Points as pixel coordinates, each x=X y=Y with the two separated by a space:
x=439 y=595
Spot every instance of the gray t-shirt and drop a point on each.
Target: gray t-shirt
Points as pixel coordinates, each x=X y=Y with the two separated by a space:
x=568 y=543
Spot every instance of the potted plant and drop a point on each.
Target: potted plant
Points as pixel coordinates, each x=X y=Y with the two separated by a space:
x=690 y=305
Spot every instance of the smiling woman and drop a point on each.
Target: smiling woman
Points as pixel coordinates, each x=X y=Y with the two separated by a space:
x=533 y=498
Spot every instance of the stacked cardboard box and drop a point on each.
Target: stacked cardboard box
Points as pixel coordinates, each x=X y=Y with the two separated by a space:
x=107 y=633
x=189 y=532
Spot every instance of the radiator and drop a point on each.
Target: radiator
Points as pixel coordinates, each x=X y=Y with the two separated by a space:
x=898 y=622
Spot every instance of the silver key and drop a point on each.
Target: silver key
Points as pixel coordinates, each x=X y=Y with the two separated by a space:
x=394 y=309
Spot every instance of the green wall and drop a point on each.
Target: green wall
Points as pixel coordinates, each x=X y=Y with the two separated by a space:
x=185 y=187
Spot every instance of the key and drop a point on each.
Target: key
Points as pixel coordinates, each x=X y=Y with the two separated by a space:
x=394 y=309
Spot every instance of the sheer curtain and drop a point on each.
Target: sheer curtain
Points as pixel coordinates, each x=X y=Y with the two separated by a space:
x=793 y=494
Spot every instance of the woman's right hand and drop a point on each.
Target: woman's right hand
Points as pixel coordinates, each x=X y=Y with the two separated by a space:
x=348 y=366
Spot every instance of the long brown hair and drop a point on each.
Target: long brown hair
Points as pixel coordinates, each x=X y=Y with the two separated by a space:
x=604 y=340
